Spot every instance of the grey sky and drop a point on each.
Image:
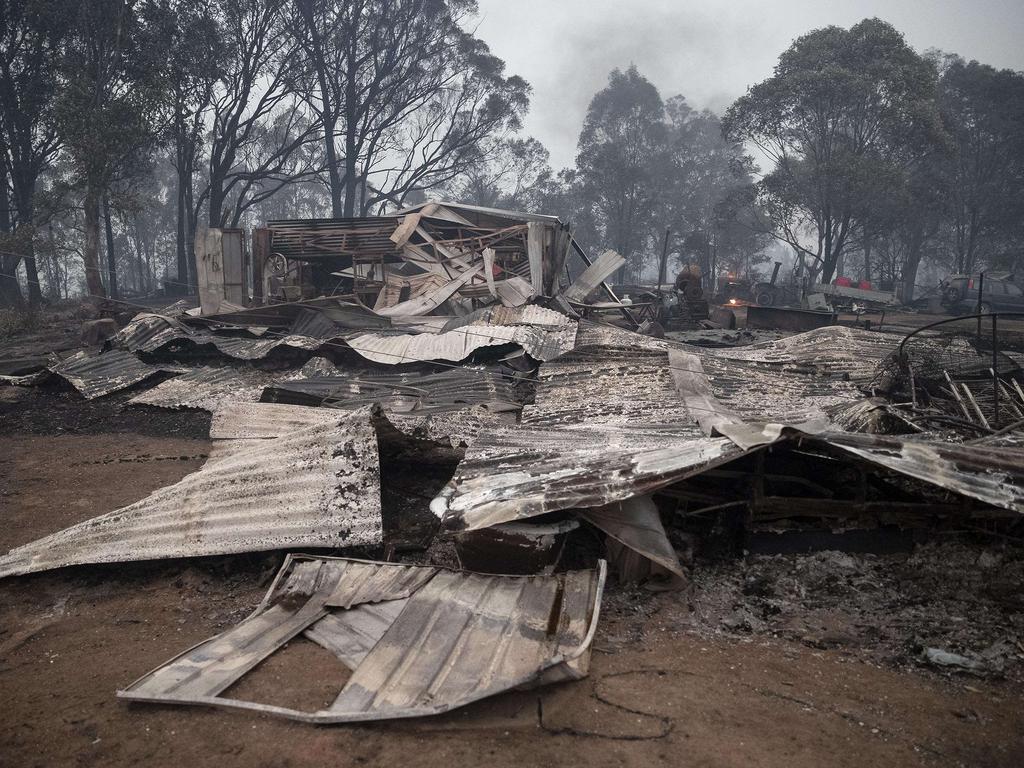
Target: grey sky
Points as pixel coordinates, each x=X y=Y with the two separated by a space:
x=707 y=51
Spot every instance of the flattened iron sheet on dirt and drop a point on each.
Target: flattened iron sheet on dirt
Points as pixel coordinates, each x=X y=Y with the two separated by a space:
x=456 y=638
x=315 y=487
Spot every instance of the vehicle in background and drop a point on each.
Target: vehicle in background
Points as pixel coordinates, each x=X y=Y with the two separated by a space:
x=999 y=293
x=762 y=293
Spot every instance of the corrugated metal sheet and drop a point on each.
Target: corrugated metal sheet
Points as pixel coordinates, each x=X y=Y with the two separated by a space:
x=636 y=524
x=460 y=637
x=530 y=314
x=834 y=352
x=351 y=634
x=213 y=388
x=315 y=325
x=543 y=343
x=208 y=388
x=317 y=487
x=785 y=390
x=241 y=348
x=449 y=390
x=753 y=396
x=152 y=333
x=595 y=386
x=373 y=582
x=95 y=375
x=262 y=421
x=461 y=343
x=599 y=335
x=147 y=332
x=555 y=469
x=241 y=422
x=606 y=425
x=315 y=239
x=609 y=423
x=592 y=276
x=992 y=475
x=458 y=429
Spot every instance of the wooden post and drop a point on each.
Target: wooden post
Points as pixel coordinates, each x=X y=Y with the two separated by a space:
x=260 y=254
x=663 y=267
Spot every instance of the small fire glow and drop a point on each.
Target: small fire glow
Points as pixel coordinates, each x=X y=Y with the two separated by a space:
x=732 y=301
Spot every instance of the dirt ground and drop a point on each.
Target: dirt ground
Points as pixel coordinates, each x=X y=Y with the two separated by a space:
x=666 y=686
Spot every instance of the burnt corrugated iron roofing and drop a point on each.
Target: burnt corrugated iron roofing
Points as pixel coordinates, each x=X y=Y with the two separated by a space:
x=462 y=342
x=147 y=332
x=529 y=314
x=423 y=393
x=607 y=424
x=98 y=374
x=834 y=352
x=208 y=388
x=316 y=487
x=458 y=638
x=153 y=333
x=610 y=423
x=992 y=475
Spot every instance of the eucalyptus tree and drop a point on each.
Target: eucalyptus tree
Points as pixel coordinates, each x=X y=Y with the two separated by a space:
x=842 y=117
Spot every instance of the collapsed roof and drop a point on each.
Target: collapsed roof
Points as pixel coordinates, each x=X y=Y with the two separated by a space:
x=458 y=349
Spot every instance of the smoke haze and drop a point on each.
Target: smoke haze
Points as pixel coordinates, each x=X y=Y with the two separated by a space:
x=708 y=52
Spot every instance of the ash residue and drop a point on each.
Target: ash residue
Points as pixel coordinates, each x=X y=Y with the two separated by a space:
x=962 y=598
x=56 y=409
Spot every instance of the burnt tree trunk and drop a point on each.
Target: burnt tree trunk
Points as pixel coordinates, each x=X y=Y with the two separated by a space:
x=351 y=126
x=184 y=210
x=10 y=290
x=111 y=255
x=26 y=214
x=91 y=246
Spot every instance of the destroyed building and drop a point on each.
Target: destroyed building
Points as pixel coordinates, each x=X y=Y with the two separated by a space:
x=381 y=385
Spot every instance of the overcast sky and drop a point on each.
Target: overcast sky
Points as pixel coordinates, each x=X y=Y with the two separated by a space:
x=710 y=52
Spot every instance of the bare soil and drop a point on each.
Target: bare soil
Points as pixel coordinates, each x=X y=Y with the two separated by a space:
x=675 y=679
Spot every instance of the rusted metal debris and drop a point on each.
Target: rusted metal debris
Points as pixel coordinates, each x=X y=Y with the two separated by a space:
x=419 y=640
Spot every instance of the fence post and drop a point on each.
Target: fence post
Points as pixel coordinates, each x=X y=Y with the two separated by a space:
x=995 y=371
x=977 y=308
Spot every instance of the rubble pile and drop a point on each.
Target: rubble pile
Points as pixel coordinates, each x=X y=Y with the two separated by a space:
x=900 y=608
x=449 y=395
